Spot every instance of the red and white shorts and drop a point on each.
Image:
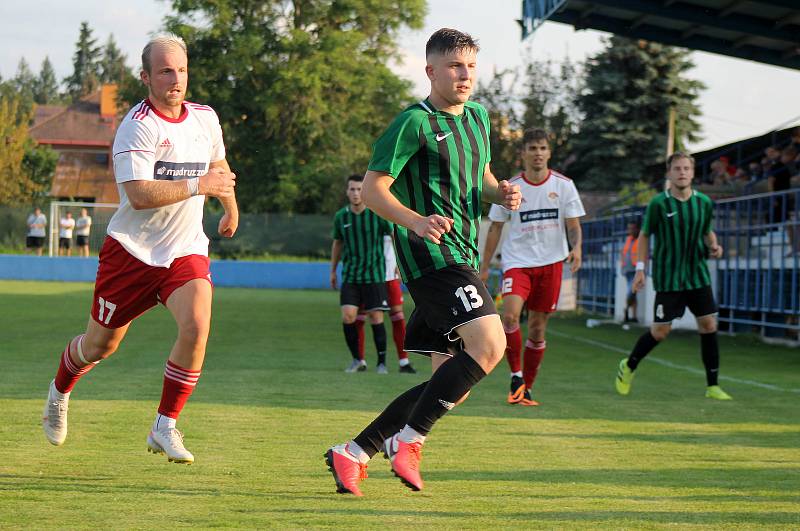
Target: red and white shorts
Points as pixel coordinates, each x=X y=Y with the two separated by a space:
x=126 y=287
x=538 y=286
x=394 y=292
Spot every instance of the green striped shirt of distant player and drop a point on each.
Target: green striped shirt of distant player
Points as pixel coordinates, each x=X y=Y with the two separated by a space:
x=362 y=245
x=679 y=250
x=438 y=161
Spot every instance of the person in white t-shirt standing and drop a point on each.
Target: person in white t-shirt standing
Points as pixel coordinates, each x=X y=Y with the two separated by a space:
x=66 y=225
x=37 y=223
x=83 y=227
x=543 y=233
x=168 y=154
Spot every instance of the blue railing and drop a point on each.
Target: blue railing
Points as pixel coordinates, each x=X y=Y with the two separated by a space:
x=757 y=281
x=536 y=12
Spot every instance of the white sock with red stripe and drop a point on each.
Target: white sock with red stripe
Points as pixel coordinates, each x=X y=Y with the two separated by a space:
x=178 y=386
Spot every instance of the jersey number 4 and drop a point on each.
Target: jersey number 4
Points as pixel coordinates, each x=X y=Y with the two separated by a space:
x=106 y=310
x=469 y=297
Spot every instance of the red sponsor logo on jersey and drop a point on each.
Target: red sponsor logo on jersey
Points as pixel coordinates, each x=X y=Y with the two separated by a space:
x=166 y=143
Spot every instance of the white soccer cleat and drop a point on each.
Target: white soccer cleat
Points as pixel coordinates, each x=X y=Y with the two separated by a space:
x=54 y=418
x=381 y=369
x=169 y=441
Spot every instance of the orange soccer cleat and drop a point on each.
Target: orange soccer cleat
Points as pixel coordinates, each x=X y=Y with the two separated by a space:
x=346 y=469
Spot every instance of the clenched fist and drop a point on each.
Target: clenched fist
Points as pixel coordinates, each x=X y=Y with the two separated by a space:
x=218 y=182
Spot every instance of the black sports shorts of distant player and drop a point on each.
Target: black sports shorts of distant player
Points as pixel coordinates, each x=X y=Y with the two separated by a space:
x=445 y=300
x=371 y=296
x=64 y=243
x=81 y=240
x=34 y=242
x=670 y=305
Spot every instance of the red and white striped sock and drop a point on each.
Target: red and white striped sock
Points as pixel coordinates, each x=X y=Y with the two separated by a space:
x=513 y=348
x=178 y=386
x=534 y=352
x=399 y=334
x=70 y=371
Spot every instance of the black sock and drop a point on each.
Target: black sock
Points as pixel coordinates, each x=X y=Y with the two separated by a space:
x=390 y=421
x=709 y=348
x=351 y=337
x=379 y=335
x=643 y=346
x=448 y=384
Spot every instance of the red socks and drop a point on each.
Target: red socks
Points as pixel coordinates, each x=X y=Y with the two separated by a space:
x=178 y=386
x=513 y=348
x=70 y=371
x=399 y=333
x=534 y=352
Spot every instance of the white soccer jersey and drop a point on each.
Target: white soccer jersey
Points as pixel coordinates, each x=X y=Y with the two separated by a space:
x=67 y=224
x=37 y=232
x=390 y=258
x=537 y=235
x=151 y=146
x=83 y=226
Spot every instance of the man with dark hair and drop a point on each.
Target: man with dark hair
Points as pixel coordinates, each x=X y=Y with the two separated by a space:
x=428 y=174
x=542 y=235
x=358 y=242
x=680 y=218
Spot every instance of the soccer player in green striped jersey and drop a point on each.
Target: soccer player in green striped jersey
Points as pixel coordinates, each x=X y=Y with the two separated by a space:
x=680 y=220
x=428 y=174
x=358 y=242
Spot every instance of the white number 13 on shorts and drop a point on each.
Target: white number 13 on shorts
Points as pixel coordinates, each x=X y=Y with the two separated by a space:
x=106 y=309
x=469 y=297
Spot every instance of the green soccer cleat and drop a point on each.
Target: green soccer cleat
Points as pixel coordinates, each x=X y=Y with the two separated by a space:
x=716 y=392
x=624 y=378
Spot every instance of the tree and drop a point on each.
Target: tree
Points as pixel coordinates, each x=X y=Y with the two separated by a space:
x=301 y=87
x=23 y=85
x=15 y=186
x=630 y=88
x=39 y=166
x=45 y=87
x=85 y=65
x=549 y=102
x=112 y=65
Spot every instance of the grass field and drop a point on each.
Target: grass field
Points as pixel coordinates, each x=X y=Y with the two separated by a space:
x=273 y=397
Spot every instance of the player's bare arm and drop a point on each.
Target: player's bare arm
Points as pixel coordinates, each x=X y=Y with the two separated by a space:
x=154 y=194
x=230 y=220
x=492 y=239
x=336 y=256
x=380 y=200
x=714 y=248
x=643 y=247
x=575 y=239
x=502 y=192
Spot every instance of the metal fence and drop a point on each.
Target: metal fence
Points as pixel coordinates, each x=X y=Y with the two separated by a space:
x=757 y=280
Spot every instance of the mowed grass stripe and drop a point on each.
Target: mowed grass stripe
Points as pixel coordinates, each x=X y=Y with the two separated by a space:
x=273 y=397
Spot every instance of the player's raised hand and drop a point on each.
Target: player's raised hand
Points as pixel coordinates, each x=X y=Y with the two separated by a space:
x=218 y=182
x=510 y=194
x=433 y=227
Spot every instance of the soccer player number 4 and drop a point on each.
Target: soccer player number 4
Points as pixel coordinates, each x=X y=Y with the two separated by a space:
x=469 y=297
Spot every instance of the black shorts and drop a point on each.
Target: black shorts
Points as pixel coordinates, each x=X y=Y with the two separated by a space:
x=34 y=242
x=445 y=299
x=64 y=243
x=81 y=240
x=371 y=297
x=670 y=305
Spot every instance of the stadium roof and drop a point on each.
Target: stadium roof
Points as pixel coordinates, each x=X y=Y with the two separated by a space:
x=766 y=31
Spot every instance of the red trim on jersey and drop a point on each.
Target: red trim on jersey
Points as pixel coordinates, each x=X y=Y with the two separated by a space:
x=549 y=173
x=141 y=112
x=130 y=150
x=560 y=176
x=198 y=106
x=179 y=119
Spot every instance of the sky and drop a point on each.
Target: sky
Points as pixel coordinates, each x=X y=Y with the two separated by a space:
x=742 y=98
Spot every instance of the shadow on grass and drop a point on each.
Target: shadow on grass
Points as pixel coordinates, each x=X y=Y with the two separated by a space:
x=761 y=439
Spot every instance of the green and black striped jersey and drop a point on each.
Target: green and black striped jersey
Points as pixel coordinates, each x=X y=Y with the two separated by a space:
x=362 y=245
x=679 y=250
x=438 y=161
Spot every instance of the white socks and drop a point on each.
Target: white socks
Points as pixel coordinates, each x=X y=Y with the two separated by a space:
x=162 y=422
x=410 y=435
x=517 y=374
x=357 y=452
x=403 y=362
